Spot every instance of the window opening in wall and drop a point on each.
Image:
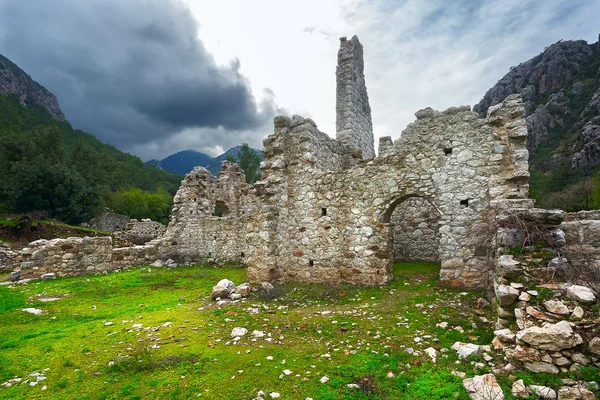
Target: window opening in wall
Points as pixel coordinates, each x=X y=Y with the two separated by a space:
x=210 y=253
x=220 y=209
x=464 y=203
x=323 y=211
x=242 y=254
x=311 y=263
x=448 y=151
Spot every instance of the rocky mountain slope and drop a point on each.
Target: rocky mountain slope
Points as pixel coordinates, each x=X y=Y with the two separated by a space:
x=184 y=161
x=561 y=91
x=13 y=80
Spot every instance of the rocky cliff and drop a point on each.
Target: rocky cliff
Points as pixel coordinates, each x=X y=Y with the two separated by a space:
x=561 y=91
x=13 y=80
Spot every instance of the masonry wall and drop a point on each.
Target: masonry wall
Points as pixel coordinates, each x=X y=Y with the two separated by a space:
x=333 y=226
x=415 y=231
x=210 y=216
x=66 y=257
x=353 y=113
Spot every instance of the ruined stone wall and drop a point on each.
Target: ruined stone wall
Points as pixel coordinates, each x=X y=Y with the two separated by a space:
x=139 y=232
x=333 y=226
x=66 y=257
x=353 y=113
x=210 y=216
x=415 y=231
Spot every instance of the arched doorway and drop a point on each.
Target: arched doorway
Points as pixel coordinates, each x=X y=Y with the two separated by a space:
x=413 y=229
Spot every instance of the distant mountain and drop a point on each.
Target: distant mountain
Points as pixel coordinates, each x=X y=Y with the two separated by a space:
x=183 y=162
x=561 y=91
x=13 y=80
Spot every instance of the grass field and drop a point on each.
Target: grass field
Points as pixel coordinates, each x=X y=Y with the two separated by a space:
x=183 y=348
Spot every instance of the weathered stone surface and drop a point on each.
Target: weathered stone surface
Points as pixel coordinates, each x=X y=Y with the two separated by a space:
x=556 y=307
x=483 y=387
x=220 y=292
x=575 y=393
x=508 y=267
x=15 y=276
x=594 y=345
x=519 y=390
x=354 y=126
x=541 y=367
x=543 y=392
x=466 y=350
x=506 y=294
x=506 y=335
x=48 y=276
x=554 y=337
x=581 y=294
x=238 y=331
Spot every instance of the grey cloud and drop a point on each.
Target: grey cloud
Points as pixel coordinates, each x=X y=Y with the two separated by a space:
x=131 y=72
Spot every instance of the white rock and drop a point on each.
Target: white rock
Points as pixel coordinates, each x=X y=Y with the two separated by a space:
x=577 y=313
x=34 y=311
x=553 y=337
x=483 y=387
x=432 y=353
x=581 y=294
x=466 y=350
x=556 y=307
x=506 y=294
x=543 y=392
x=274 y=395
x=443 y=325
x=390 y=375
x=238 y=331
x=324 y=379
x=506 y=335
x=258 y=334
x=108 y=323
x=519 y=390
x=227 y=284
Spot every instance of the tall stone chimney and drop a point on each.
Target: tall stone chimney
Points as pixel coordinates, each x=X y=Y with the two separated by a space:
x=353 y=112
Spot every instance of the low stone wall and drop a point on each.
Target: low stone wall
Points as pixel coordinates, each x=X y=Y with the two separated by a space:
x=554 y=325
x=127 y=257
x=7 y=255
x=66 y=257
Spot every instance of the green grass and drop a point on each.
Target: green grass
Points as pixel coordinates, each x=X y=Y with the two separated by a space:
x=365 y=332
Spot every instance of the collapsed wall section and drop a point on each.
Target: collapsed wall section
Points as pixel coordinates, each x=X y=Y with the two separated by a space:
x=210 y=216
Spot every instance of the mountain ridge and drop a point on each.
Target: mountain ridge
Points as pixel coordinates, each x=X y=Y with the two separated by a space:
x=13 y=80
x=184 y=161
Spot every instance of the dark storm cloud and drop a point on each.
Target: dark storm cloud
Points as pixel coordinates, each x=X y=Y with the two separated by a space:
x=131 y=72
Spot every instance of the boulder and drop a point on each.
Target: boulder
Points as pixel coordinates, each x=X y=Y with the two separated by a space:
x=483 y=387
x=506 y=294
x=553 y=337
x=266 y=288
x=227 y=284
x=466 y=350
x=157 y=264
x=219 y=292
x=581 y=294
x=243 y=290
x=48 y=276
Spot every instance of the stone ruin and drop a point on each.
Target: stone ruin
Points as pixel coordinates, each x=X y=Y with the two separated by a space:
x=331 y=210
x=452 y=189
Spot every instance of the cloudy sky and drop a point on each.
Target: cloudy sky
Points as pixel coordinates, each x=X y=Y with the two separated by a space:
x=154 y=77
